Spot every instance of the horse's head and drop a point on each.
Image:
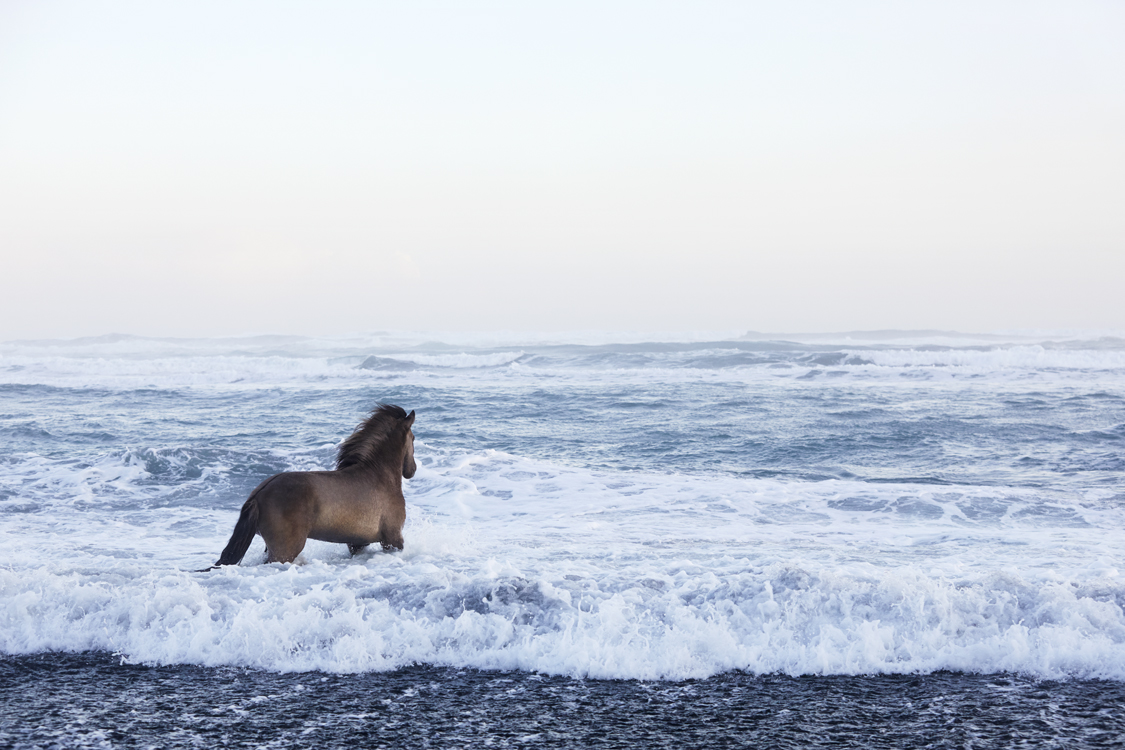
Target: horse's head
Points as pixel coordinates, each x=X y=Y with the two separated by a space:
x=408 y=465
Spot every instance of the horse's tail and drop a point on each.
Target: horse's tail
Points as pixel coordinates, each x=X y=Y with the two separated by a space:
x=244 y=532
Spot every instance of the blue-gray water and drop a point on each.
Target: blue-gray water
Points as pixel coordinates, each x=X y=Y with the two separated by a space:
x=740 y=527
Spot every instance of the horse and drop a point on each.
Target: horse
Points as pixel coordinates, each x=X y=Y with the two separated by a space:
x=358 y=504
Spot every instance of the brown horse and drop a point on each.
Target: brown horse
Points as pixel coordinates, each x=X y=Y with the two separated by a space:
x=358 y=504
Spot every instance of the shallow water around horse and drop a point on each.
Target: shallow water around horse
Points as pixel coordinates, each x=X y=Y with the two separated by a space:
x=907 y=505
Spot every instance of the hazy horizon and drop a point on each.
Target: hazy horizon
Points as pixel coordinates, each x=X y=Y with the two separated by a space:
x=212 y=169
x=502 y=339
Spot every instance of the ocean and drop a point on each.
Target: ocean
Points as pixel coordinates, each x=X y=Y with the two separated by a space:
x=880 y=539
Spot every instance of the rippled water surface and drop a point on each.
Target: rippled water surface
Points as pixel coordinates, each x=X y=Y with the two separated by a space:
x=888 y=504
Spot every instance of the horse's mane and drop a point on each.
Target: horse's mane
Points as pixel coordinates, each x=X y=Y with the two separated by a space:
x=370 y=444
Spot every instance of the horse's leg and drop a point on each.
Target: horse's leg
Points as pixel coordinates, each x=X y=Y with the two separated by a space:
x=285 y=549
x=355 y=549
x=285 y=518
x=391 y=539
x=283 y=541
x=391 y=522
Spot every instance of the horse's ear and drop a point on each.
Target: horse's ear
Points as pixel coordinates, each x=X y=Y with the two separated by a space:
x=410 y=418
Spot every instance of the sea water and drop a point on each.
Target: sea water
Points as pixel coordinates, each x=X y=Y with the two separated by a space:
x=656 y=511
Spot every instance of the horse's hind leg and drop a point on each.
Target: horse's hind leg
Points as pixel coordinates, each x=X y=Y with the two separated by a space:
x=283 y=545
x=285 y=517
x=285 y=551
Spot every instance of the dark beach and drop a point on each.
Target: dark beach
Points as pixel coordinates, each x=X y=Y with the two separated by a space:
x=94 y=700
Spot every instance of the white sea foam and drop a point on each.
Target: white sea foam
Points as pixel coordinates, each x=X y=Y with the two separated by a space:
x=461 y=360
x=678 y=621
x=129 y=363
x=518 y=564
x=1035 y=357
x=524 y=563
x=171 y=372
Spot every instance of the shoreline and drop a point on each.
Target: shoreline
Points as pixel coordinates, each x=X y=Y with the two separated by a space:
x=92 y=699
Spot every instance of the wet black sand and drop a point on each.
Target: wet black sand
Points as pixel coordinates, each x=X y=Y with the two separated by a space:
x=93 y=700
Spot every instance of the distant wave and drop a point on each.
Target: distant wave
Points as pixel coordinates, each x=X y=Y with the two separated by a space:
x=1034 y=357
x=130 y=362
x=460 y=360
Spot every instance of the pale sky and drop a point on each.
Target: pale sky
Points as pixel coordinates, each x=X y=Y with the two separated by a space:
x=223 y=168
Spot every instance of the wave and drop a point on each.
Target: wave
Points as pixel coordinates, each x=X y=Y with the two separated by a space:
x=134 y=478
x=678 y=621
x=520 y=564
x=170 y=372
x=732 y=360
x=458 y=361
x=1034 y=357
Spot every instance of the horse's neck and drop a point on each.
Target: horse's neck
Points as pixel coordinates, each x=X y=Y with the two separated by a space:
x=384 y=473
